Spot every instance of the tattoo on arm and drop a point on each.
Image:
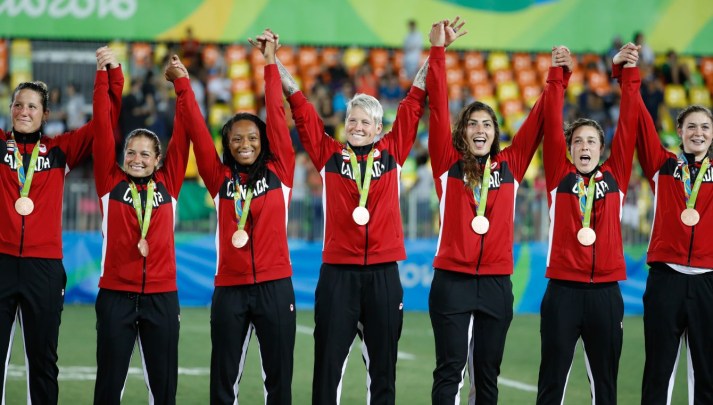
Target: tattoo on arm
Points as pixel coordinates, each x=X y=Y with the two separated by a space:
x=289 y=86
x=420 y=79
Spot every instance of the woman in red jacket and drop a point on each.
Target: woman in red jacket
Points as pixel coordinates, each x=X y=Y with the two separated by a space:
x=585 y=261
x=32 y=277
x=471 y=298
x=251 y=189
x=137 y=298
x=679 y=288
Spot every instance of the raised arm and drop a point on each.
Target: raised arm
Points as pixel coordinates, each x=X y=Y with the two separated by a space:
x=103 y=146
x=176 y=159
x=440 y=146
x=554 y=148
x=278 y=134
x=622 y=152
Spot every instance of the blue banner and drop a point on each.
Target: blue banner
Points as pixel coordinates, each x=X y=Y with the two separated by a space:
x=195 y=257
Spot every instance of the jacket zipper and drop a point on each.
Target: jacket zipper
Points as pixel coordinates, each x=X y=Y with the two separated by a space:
x=366 y=244
x=22 y=217
x=143 y=278
x=690 y=246
x=594 y=246
x=480 y=256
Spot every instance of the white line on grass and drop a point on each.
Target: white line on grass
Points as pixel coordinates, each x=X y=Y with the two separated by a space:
x=81 y=373
x=517 y=385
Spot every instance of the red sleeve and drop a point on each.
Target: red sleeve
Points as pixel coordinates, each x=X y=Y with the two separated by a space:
x=278 y=134
x=554 y=147
x=189 y=114
x=403 y=132
x=318 y=145
x=176 y=158
x=103 y=146
x=440 y=144
x=530 y=134
x=650 y=151
x=622 y=149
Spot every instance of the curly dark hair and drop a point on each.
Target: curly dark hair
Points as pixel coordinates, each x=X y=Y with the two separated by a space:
x=257 y=170
x=472 y=168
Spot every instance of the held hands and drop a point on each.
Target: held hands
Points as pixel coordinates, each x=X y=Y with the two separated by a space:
x=174 y=69
x=268 y=43
x=454 y=30
x=437 y=37
x=562 y=57
x=628 y=54
x=106 y=58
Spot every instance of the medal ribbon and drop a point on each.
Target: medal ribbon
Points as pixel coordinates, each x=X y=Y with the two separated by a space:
x=241 y=209
x=145 y=219
x=25 y=177
x=363 y=189
x=692 y=192
x=586 y=199
x=481 y=193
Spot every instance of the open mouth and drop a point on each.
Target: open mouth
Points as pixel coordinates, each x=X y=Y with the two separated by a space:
x=585 y=159
x=479 y=142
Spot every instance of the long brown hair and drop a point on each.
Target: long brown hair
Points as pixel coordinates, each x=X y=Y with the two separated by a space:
x=472 y=168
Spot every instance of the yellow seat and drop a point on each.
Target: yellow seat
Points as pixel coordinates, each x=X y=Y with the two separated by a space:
x=700 y=95
x=498 y=61
x=508 y=91
x=674 y=96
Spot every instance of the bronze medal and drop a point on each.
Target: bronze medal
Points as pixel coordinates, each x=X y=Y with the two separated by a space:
x=24 y=206
x=143 y=247
x=240 y=238
x=690 y=216
x=360 y=215
x=586 y=236
x=480 y=225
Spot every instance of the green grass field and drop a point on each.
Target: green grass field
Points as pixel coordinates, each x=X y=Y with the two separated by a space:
x=518 y=375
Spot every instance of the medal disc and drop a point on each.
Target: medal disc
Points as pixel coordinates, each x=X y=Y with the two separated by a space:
x=240 y=238
x=480 y=225
x=690 y=216
x=24 y=206
x=360 y=215
x=143 y=247
x=586 y=236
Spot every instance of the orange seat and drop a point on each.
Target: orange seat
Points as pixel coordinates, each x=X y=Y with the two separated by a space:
x=140 y=53
x=543 y=62
x=455 y=92
x=521 y=61
x=706 y=66
x=454 y=77
x=397 y=59
x=240 y=85
x=530 y=94
x=525 y=77
x=598 y=82
x=210 y=55
x=235 y=53
x=591 y=61
x=477 y=76
x=473 y=60
x=510 y=107
x=286 y=54
x=502 y=75
x=482 y=90
x=307 y=56
x=452 y=60
x=378 y=58
x=330 y=56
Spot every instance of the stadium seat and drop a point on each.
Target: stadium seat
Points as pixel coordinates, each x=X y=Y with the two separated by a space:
x=477 y=76
x=240 y=85
x=700 y=95
x=397 y=59
x=507 y=91
x=591 y=62
x=286 y=54
x=498 y=61
x=240 y=70
x=235 y=53
x=244 y=102
x=482 y=90
x=329 y=56
x=521 y=61
x=3 y=58
x=455 y=77
x=379 y=60
x=140 y=53
x=473 y=60
x=306 y=57
x=543 y=62
x=525 y=77
x=674 y=96
x=502 y=75
x=530 y=94
x=573 y=91
x=452 y=61
x=598 y=81
x=706 y=66
x=210 y=55
x=353 y=58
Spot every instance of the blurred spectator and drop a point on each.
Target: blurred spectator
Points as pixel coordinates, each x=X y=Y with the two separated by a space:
x=413 y=44
x=75 y=108
x=339 y=102
x=55 y=121
x=673 y=71
x=322 y=101
x=614 y=48
x=652 y=94
x=190 y=49
x=646 y=54
x=366 y=82
x=390 y=91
